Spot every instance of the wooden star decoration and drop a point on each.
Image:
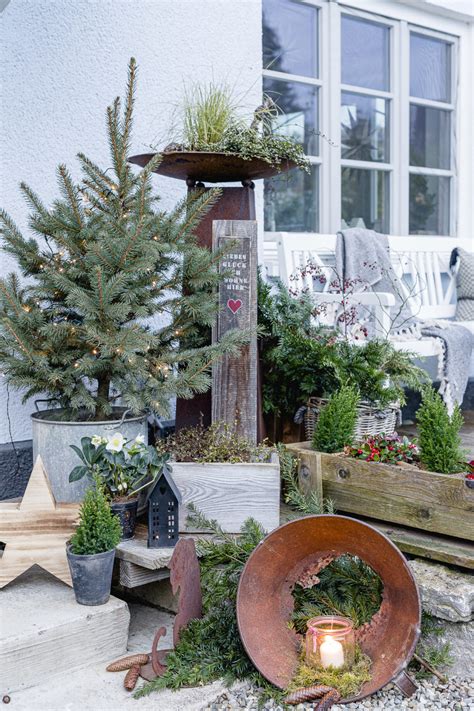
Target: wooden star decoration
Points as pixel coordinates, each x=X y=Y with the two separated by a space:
x=35 y=530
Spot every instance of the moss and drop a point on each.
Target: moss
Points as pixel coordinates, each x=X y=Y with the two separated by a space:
x=347 y=681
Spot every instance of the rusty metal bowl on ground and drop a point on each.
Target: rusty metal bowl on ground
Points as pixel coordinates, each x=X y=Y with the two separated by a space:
x=211 y=167
x=299 y=550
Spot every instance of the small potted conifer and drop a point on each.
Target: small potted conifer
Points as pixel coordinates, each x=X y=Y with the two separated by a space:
x=91 y=550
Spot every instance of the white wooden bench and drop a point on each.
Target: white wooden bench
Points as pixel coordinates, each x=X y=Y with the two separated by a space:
x=421 y=263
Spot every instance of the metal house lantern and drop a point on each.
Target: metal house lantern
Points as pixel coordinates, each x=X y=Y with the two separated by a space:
x=163 y=512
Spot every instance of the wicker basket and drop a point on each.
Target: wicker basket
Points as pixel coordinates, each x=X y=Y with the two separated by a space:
x=371 y=420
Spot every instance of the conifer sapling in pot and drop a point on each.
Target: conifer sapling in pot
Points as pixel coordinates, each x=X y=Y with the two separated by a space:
x=112 y=286
x=91 y=550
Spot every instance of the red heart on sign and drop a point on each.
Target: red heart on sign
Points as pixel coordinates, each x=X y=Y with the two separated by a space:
x=234 y=305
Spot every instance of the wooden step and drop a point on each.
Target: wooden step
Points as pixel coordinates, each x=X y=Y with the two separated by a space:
x=432 y=546
x=45 y=634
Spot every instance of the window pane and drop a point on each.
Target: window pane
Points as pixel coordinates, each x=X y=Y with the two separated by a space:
x=364 y=127
x=429 y=205
x=365 y=53
x=429 y=137
x=430 y=67
x=365 y=199
x=290 y=37
x=298 y=117
x=291 y=202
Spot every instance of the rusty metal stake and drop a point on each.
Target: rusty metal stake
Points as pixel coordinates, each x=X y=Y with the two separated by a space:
x=185 y=579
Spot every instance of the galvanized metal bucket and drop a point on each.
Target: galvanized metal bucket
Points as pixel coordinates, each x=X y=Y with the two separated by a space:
x=52 y=438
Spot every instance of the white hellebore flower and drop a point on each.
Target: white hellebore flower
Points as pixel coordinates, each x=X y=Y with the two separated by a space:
x=115 y=443
x=140 y=439
x=96 y=440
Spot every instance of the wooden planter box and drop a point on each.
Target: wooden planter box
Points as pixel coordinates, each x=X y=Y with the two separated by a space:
x=406 y=495
x=230 y=493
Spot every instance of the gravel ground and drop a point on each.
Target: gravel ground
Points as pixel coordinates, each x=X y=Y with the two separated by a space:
x=456 y=695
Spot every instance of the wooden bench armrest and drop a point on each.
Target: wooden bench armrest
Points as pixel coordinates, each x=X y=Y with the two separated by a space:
x=365 y=298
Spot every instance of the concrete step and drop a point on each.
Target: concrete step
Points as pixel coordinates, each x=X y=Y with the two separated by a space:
x=94 y=689
x=44 y=633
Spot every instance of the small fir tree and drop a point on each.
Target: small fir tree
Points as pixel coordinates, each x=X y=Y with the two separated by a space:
x=110 y=269
x=439 y=440
x=337 y=420
x=99 y=529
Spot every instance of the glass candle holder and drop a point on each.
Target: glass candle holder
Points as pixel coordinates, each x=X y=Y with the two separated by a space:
x=330 y=642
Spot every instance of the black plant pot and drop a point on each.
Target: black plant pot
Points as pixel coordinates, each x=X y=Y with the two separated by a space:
x=469 y=483
x=91 y=576
x=127 y=513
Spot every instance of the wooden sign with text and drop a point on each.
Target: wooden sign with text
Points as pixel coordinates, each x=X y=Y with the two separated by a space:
x=234 y=379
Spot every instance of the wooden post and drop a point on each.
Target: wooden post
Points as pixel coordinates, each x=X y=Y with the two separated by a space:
x=234 y=380
x=234 y=204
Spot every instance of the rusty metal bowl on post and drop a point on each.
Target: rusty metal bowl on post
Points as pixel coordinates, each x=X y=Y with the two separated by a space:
x=210 y=167
x=302 y=548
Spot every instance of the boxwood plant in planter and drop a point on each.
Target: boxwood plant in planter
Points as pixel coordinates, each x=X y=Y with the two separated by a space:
x=91 y=550
x=111 y=285
x=123 y=467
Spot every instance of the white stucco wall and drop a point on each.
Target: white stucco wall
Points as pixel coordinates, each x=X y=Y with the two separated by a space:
x=64 y=61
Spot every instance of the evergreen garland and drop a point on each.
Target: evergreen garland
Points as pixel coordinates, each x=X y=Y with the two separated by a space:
x=347 y=587
x=113 y=286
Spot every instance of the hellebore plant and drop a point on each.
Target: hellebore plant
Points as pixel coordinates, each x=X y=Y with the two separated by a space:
x=125 y=467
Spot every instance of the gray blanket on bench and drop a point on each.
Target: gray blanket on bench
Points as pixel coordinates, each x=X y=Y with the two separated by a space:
x=363 y=262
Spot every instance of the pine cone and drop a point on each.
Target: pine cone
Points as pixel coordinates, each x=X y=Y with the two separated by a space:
x=307 y=693
x=131 y=677
x=127 y=662
x=332 y=697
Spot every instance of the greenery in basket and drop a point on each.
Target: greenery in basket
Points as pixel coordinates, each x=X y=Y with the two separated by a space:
x=293 y=353
x=112 y=286
x=387 y=449
x=336 y=423
x=124 y=467
x=377 y=369
x=439 y=440
x=212 y=122
x=99 y=529
x=217 y=443
x=300 y=361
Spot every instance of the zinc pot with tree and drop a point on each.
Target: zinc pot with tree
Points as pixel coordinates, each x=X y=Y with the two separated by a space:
x=112 y=284
x=91 y=550
x=123 y=467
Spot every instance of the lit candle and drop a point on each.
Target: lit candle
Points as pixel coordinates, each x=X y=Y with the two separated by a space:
x=331 y=653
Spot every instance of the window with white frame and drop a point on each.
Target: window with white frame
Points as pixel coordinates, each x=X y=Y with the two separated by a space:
x=385 y=146
x=431 y=116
